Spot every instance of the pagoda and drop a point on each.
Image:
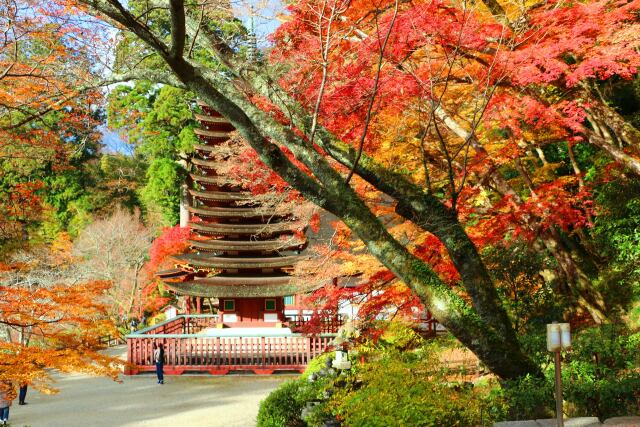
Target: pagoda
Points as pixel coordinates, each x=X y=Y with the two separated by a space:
x=241 y=252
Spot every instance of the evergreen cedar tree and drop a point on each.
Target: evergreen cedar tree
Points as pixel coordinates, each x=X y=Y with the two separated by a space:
x=426 y=105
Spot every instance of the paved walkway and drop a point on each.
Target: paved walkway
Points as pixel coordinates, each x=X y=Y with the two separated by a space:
x=189 y=401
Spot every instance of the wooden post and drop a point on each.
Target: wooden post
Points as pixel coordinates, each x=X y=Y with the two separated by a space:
x=127 y=369
x=559 y=414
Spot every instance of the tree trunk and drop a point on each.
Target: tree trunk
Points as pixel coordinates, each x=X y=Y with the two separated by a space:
x=327 y=189
x=132 y=297
x=495 y=346
x=428 y=212
x=577 y=278
x=630 y=162
x=609 y=117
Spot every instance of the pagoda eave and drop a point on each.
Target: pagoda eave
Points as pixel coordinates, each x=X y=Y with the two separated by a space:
x=258 y=245
x=204 y=147
x=209 y=164
x=213 y=180
x=252 y=229
x=210 y=134
x=228 y=212
x=237 y=263
x=203 y=118
x=221 y=196
x=235 y=291
x=173 y=273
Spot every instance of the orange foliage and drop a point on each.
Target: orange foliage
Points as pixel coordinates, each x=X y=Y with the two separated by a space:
x=56 y=325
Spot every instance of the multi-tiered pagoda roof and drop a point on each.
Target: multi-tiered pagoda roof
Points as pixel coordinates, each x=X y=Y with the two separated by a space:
x=238 y=247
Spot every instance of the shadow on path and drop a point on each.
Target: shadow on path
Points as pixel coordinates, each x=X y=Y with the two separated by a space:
x=190 y=401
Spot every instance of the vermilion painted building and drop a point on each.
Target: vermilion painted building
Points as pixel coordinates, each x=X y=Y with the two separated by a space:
x=241 y=255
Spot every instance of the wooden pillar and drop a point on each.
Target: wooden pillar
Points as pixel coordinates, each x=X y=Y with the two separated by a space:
x=188 y=304
x=198 y=305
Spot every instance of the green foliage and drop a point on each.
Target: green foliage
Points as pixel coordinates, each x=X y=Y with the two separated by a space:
x=153 y=118
x=525 y=294
x=162 y=192
x=68 y=194
x=316 y=365
x=401 y=382
x=158 y=122
x=601 y=375
x=408 y=388
x=600 y=378
x=617 y=235
x=524 y=399
x=63 y=171
x=282 y=408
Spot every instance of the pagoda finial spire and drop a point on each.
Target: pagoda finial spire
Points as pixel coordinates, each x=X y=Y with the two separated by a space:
x=253 y=41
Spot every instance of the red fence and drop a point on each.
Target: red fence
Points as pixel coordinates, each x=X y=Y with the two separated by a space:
x=219 y=355
x=182 y=324
x=326 y=325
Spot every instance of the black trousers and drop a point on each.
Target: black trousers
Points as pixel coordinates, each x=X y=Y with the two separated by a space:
x=159 y=371
x=22 y=394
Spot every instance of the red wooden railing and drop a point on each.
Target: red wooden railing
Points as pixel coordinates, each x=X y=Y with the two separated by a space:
x=182 y=324
x=327 y=325
x=219 y=355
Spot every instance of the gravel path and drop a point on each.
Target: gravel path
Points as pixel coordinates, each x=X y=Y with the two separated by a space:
x=189 y=401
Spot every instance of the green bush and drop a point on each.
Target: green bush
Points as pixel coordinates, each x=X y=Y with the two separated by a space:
x=601 y=374
x=316 y=365
x=408 y=388
x=282 y=408
x=526 y=398
x=600 y=378
x=402 y=385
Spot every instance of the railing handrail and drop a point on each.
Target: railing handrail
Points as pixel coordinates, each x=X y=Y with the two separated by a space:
x=336 y=316
x=252 y=335
x=117 y=337
x=173 y=319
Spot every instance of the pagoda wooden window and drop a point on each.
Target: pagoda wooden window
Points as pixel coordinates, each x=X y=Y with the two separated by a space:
x=289 y=300
x=229 y=305
x=269 y=304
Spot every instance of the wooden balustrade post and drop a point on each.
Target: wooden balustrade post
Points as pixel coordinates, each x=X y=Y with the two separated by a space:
x=128 y=370
x=218 y=351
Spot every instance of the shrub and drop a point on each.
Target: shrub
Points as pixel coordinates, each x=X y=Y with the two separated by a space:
x=282 y=408
x=601 y=375
x=316 y=365
x=600 y=378
x=407 y=388
x=526 y=398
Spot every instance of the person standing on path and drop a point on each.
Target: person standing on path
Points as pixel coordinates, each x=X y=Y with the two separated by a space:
x=158 y=358
x=22 y=394
x=133 y=325
x=7 y=394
